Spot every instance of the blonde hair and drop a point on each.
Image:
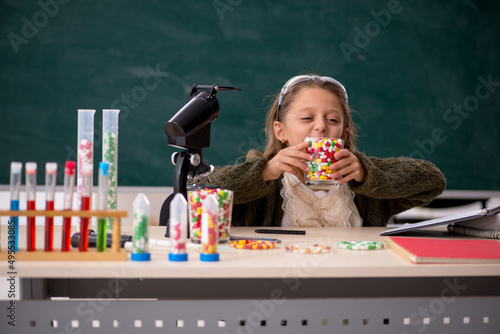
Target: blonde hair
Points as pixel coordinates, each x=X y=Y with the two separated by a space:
x=274 y=145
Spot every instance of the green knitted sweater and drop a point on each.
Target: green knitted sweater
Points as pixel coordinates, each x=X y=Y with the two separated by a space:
x=393 y=185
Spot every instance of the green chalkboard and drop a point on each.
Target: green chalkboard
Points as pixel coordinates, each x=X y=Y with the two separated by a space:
x=423 y=76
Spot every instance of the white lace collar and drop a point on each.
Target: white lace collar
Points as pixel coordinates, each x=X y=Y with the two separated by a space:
x=307 y=208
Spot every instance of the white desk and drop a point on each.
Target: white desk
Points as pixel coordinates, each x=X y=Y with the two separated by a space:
x=264 y=291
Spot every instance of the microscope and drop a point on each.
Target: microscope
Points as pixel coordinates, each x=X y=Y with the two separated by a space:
x=189 y=129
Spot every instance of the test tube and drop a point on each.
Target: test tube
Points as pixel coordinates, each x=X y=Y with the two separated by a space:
x=178 y=228
x=110 y=155
x=209 y=229
x=102 y=200
x=85 y=146
x=50 y=189
x=69 y=185
x=87 y=171
x=31 y=204
x=140 y=207
x=15 y=186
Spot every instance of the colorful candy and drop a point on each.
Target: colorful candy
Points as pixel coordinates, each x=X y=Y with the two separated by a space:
x=225 y=204
x=323 y=150
x=360 y=245
x=178 y=228
x=209 y=229
x=85 y=156
x=140 y=232
x=308 y=249
x=85 y=148
x=253 y=244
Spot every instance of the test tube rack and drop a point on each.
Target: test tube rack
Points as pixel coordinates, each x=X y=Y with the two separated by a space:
x=113 y=254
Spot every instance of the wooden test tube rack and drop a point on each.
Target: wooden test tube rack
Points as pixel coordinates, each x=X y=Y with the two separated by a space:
x=113 y=254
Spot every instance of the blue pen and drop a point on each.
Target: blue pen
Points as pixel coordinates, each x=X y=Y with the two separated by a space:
x=15 y=186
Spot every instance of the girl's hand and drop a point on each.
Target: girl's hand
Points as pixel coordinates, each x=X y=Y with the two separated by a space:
x=348 y=166
x=290 y=159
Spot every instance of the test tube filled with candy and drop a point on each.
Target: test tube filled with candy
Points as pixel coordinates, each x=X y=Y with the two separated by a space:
x=102 y=202
x=209 y=229
x=50 y=189
x=15 y=187
x=83 y=241
x=110 y=155
x=140 y=207
x=69 y=186
x=85 y=146
x=31 y=204
x=178 y=228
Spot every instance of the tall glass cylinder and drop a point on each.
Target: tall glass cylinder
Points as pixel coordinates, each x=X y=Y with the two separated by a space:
x=85 y=146
x=110 y=155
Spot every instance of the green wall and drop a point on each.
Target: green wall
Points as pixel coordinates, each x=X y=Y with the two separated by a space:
x=408 y=67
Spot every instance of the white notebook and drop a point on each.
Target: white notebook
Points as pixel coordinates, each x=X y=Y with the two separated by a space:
x=474 y=219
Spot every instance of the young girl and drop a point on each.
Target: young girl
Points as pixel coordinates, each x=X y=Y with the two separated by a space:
x=269 y=187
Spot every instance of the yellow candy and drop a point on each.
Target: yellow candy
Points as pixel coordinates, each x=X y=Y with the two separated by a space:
x=322 y=177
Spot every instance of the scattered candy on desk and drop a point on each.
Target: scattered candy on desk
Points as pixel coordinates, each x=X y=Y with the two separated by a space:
x=253 y=244
x=316 y=248
x=360 y=245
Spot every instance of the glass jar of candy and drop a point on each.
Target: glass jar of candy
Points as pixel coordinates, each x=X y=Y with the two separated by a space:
x=225 y=210
x=319 y=176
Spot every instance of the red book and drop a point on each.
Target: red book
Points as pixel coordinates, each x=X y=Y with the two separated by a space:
x=426 y=250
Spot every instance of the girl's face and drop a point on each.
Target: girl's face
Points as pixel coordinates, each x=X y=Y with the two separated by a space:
x=315 y=112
